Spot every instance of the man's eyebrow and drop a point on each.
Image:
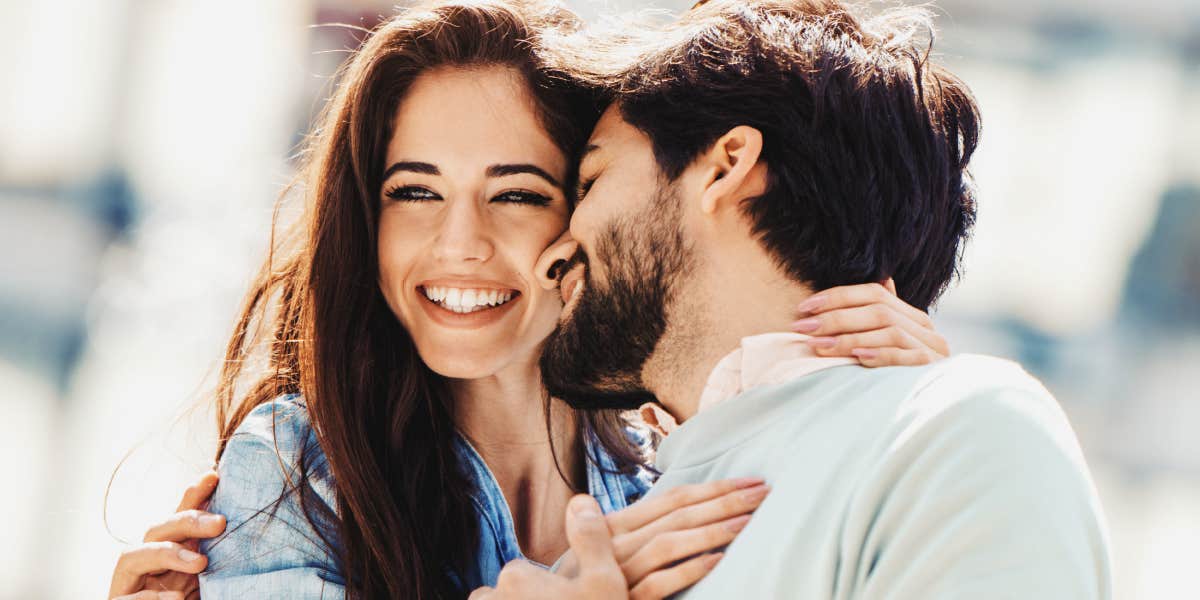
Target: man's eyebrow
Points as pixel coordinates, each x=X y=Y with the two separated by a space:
x=503 y=170
x=423 y=168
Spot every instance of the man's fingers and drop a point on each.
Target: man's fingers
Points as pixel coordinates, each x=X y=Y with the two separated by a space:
x=736 y=503
x=150 y=558
x=152 y=595
x=185 y=525
x=198 y=493
x=647 y=511
x=661 y=584
x=677 y=545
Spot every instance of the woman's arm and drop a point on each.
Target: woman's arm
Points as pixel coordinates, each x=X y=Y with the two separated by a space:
x=281 y=520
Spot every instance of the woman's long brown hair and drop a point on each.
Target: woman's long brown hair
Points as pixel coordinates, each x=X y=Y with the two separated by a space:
x=315 y=322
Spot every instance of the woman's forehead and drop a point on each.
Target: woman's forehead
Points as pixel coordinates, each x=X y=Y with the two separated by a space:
x=480 y=115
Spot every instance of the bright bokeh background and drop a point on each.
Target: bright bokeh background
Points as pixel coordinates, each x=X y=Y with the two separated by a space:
x=143 y=142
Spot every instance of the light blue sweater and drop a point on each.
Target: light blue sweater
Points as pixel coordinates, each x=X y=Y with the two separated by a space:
x=961 y=479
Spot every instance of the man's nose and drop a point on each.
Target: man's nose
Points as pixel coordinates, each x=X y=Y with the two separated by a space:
x=463 y=236
x=553 y=259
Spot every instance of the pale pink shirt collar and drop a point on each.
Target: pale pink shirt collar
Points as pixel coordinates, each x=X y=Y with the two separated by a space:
x=766 y=359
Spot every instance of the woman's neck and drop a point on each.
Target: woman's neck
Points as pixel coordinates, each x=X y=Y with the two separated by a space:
x=504 y=418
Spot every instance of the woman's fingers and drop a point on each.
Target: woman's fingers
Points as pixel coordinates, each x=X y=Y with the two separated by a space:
x=185 y=525
x=826 y=328
x=733 y=504
x=589 y=537
x=848 y=296
x=670 y=547
x=661 y=584
x=882 y=357
x=649 y=510
x=151 y=558
x=199 y=493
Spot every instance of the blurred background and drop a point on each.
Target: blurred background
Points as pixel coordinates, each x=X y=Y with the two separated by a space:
x=144 y=142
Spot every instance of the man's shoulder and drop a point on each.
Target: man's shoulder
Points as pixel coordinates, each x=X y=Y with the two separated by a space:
x=977 y=401
x=983 y=392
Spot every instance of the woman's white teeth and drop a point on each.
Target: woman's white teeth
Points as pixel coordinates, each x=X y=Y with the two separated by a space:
x=467 y=300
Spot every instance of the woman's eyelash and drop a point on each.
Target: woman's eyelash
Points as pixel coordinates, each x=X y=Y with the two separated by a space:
x=517 y=197
x=411 y=193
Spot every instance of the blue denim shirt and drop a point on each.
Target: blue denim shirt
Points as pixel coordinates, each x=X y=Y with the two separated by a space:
x=281 y=555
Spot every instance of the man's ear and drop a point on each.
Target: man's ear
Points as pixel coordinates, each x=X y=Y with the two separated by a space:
x=735 y=171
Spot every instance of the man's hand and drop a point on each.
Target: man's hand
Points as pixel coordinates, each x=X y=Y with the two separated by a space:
x=165 y=565
x=599 y=575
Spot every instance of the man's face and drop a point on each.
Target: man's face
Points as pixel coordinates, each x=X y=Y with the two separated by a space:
x=619 y=286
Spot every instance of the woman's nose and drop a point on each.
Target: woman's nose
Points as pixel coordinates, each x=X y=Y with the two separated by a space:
x=553 y=259
x=463 y=236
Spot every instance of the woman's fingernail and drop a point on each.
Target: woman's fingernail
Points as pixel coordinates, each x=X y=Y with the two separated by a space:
x=812 y=303
x=822 y=342
x=865 y=353
x=755 y=495
x=188 y=555
x=738 y=524
x=711 y=560
x=806 y=325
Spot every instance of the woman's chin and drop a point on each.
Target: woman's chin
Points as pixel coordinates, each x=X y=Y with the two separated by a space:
x=476 y=363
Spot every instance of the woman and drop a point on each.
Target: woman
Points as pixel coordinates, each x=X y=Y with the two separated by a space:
x=404 y=329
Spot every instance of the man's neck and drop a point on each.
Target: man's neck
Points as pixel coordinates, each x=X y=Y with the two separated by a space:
x=733 y=295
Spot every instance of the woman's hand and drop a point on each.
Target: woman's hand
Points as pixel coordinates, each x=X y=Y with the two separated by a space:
x=663 y=550
x=661 y=545
x=166 y=563
x=870 y=323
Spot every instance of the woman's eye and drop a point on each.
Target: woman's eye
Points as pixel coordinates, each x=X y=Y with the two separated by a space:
x=412 y=193
x=517 y=197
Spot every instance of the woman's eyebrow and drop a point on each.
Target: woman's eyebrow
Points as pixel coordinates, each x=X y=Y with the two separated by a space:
x=503 y=170
x=423 y=168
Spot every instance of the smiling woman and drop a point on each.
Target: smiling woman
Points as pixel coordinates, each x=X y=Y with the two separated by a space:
x=466 y=211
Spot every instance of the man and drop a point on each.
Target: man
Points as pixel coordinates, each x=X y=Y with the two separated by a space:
x=754 y=152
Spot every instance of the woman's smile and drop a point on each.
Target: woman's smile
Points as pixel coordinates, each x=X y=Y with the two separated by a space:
x=466 y=304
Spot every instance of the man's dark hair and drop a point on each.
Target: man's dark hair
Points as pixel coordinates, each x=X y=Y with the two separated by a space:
x=866 y=141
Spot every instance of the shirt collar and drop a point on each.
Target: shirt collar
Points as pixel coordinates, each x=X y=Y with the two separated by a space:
x=765 y=359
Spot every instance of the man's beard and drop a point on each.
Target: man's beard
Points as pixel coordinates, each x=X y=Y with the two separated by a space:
x=594 y=359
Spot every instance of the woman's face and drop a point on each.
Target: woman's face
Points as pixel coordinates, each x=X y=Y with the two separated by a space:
x=472 y=194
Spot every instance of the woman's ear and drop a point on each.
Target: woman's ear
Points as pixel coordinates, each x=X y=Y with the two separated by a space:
x=736 y=173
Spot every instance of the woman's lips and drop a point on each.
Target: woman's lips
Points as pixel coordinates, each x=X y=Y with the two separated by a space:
x=478 y=318
x=466 y=304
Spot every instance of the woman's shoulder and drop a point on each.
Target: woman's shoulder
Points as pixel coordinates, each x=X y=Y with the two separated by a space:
x=276 y=443
x=281 y=422
x=277 y=494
